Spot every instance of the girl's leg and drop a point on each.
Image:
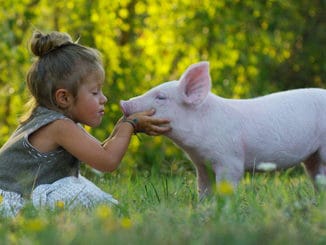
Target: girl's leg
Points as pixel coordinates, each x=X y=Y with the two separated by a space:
x=73 y=192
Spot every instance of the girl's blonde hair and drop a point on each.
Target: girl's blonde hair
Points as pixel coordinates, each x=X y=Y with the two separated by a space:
x=61 y=63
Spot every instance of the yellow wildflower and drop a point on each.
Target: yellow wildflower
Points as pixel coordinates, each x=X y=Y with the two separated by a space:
x=60 y=204
x=35 y=224
x=103 y=211
x=174 y=167
x=1 y=199
x=126 y=223
x=12 y=238
x=225 y=188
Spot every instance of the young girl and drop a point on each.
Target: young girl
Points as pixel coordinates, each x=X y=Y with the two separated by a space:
x=41 y=159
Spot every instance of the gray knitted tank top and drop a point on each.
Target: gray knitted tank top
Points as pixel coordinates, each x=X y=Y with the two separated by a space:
x=22 y=167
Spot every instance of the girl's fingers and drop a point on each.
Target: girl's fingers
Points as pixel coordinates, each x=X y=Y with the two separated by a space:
x=160 y=121
x=149 y=125
x=157 y=130
x=150 y=112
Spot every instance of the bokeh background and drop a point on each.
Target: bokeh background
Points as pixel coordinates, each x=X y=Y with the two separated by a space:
x=254 y=48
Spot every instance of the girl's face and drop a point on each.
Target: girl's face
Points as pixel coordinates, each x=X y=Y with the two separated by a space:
x=88 y=106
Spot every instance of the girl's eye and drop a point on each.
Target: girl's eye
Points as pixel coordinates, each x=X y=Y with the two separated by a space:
x=96 y=91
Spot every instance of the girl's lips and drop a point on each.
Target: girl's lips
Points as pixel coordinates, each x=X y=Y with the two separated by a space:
x=101 y=112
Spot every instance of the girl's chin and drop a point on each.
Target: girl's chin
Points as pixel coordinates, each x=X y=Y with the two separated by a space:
x=94 y=124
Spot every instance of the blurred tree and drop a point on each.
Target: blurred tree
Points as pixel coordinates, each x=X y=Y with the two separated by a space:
x=15 y=19
x=254 y=47
x=305 y=63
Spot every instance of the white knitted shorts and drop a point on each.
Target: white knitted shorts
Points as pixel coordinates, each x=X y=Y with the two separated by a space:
x=71 y=191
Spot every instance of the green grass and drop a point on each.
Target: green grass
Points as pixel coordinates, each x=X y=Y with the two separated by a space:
x=276 y=208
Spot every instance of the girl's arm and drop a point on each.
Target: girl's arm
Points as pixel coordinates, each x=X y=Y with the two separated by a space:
x=108 y=156
x=114 y=131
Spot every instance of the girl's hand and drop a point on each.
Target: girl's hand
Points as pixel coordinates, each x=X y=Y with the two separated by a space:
x=144 y=122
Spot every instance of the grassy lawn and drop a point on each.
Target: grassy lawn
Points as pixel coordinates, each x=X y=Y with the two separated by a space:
x=274 y=208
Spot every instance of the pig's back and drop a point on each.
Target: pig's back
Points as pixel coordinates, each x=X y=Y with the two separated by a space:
x=283 y=127
x=292 y=101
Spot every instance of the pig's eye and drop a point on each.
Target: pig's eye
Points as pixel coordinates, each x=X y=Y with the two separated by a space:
x=161 y=97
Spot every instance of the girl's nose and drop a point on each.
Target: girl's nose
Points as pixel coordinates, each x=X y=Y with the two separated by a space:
x=104 y=99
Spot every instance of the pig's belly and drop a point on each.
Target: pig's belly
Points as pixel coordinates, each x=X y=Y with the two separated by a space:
x=281 y=142
x=281 y=158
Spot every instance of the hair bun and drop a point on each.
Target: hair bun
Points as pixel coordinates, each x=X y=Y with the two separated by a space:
x=42 y=44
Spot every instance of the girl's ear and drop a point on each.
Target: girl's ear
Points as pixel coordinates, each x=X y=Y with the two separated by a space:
x=63 y=98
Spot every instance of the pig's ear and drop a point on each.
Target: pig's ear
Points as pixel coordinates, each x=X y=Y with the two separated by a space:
x=195 y=83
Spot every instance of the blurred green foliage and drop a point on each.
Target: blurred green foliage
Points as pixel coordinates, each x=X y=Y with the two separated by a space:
x=254 y=47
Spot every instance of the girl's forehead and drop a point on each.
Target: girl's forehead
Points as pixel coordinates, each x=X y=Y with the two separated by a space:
x=95 y=76
x=99 y=73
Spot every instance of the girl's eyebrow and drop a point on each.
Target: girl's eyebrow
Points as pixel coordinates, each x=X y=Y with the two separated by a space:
x=100 y=85
x=96 y=84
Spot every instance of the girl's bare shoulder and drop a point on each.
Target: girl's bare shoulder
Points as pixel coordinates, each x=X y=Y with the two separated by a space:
x=45 y=138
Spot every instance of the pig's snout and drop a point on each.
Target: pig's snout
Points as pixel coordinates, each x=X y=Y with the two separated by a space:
x=124 y=108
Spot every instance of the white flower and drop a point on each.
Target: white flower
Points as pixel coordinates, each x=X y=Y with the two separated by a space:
x=321 y=180
x=266 y=166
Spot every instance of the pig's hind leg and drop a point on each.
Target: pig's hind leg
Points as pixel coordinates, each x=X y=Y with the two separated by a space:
x=316 y=167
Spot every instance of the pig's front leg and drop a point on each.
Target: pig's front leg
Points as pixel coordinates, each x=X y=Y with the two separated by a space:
x=203 y=180
x=229 y=169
